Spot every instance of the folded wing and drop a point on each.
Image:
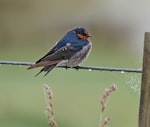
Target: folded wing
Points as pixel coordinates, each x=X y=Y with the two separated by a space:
x=53 y=58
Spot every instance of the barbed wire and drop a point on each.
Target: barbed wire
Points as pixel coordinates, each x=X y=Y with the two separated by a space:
x=89 y=68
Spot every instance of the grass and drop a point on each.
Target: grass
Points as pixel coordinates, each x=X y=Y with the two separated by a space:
x=76 y=100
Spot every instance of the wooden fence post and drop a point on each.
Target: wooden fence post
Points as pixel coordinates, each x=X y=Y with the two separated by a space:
x=144 y=111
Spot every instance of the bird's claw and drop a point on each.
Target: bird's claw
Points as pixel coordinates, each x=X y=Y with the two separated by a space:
x=66 y=67
x=76 y=67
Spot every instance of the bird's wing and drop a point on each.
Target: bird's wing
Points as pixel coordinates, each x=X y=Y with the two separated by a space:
x=63 y=53
x=49 y=53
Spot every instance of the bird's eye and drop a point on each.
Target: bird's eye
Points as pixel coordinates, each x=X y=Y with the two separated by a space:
x=84 y=34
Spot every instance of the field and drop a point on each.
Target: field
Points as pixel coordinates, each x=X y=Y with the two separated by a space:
x=76 y=93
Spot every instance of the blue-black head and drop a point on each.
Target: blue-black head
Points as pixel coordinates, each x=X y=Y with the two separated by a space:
x=82 y=33
x=79 y=34
x=75 y=35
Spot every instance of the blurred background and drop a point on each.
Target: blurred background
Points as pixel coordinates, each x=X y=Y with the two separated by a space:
x=29 y=28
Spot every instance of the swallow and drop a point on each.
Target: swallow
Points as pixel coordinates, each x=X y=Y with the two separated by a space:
x=70 y=51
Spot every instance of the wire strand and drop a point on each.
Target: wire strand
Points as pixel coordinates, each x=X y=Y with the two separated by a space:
x=90 y=68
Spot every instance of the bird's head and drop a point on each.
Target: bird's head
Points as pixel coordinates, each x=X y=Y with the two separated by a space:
x=82 y=33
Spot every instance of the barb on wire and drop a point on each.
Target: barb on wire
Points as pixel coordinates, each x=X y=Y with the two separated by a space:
x=90 y=68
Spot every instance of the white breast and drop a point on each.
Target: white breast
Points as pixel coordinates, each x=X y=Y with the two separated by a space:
x=80 y=56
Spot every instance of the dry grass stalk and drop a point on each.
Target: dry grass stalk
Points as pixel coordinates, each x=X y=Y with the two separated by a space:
x=103 y=102
x=106 y=121
x=49 y=111
x=105 y=96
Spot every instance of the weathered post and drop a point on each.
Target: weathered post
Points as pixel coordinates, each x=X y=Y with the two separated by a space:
x=144 y=111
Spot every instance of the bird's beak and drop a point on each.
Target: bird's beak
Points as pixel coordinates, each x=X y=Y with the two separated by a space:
x=89 y=35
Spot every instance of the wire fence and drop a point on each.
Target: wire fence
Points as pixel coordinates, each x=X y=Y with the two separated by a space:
x=89 y=68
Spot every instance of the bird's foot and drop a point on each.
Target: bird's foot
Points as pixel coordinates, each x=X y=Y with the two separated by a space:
x=76 y=67
x=66 y=67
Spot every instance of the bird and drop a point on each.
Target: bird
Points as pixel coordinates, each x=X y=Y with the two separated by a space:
x=70 y=51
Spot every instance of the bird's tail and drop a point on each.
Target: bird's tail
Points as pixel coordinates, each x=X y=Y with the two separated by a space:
x=43 y=63
x=47 y=69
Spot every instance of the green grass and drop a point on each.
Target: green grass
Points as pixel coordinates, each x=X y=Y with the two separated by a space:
x=76 y=93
